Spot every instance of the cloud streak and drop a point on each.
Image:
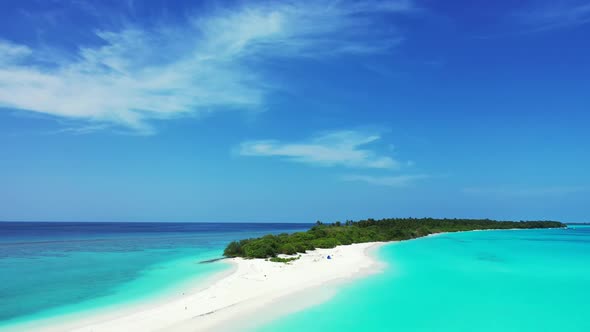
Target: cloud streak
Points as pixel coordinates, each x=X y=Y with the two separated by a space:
x=526 y=192
x=11 y=53
x=338 y=148
x=555 y=15
x=205 y=64
x=388 y=181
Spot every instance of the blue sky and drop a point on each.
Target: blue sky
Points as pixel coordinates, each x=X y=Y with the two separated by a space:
x=294 y=110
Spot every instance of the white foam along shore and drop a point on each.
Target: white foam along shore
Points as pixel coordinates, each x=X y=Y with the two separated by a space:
x=254 y=292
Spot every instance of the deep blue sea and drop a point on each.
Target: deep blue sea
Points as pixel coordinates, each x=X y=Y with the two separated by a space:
x=49 y=269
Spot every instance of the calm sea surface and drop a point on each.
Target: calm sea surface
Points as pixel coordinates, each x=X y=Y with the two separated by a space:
x=49 y=269
x=526 y=280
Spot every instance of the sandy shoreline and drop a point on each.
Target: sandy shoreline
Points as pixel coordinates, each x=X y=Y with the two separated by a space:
x=234 y=298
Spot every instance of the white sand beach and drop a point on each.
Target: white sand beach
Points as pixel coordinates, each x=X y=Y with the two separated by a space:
x=253 y=292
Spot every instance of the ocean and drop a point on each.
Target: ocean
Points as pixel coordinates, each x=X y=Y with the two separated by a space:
x=523 y=280
x=496 y=281
x=49 y=269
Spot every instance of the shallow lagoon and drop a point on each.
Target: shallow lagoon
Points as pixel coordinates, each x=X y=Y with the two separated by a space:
x=524 y=280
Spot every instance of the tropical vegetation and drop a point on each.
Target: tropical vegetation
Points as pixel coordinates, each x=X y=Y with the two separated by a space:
x=370 y=230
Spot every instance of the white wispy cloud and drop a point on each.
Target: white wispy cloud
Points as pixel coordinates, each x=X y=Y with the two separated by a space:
x=11 y=52
x=208 y=63
x=389 y=181
x=549 y=15
x=338 y=148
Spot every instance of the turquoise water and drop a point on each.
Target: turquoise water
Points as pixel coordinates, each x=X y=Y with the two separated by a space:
x=531 y=280
x=51 y=269
x=526 y=280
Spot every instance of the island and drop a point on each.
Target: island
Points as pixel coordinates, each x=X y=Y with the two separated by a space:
x=370 y=230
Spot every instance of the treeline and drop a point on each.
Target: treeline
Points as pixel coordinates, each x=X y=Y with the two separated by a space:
x=370 y=230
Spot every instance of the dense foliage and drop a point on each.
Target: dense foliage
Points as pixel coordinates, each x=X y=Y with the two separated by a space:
x=370 y=230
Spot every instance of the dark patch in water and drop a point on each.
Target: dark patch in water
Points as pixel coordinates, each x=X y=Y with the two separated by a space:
x=454 y=239
x=211 y=260
x=489 y=257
